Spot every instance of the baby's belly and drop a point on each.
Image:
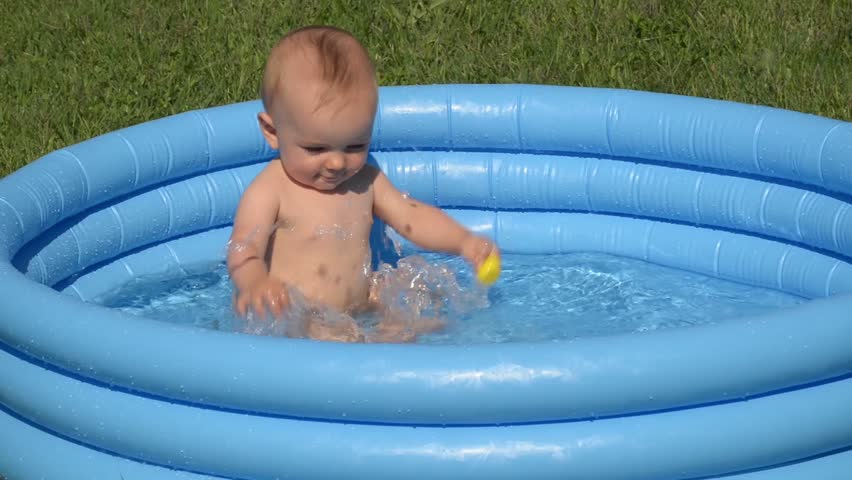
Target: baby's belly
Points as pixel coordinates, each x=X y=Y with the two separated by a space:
x=349 y=295
x=338 y=277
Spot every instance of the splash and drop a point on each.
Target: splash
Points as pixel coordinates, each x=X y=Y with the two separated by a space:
x=392 y=239
x=340 y=232
x=302 y=319
x=282 y=225
x=414 y=298
x=417 y=289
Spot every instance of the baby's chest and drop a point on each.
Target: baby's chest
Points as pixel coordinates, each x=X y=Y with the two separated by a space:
x=328 y=215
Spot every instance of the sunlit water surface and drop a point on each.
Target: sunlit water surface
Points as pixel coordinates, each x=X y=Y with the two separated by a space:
x=539 y=298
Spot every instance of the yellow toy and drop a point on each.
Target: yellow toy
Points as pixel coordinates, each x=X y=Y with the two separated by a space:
x=489 y=271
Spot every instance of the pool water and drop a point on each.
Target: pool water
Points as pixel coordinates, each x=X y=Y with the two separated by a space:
x=539 y=298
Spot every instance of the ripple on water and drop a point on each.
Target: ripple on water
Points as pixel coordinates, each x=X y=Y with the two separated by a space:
x=538 y=298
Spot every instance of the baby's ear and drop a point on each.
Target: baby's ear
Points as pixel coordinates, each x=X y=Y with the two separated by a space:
x=268 y=129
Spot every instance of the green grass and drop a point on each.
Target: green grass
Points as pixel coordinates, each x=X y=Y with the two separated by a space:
x=70 y=70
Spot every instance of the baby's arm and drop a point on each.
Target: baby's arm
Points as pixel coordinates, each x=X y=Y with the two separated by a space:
x=253 y=223
x=427 y=226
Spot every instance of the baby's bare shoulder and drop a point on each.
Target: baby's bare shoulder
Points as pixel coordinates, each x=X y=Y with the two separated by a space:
x=258 y=205
x=262 y=194
x=267 y=182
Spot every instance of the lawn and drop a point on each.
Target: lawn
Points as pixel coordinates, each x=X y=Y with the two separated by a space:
x=72 y=70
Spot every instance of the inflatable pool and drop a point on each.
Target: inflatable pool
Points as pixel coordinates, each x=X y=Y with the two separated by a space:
x=745 y=193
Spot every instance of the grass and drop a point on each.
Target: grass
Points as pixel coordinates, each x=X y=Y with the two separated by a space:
x=73 y=70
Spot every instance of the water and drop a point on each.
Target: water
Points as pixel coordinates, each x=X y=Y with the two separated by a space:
x=539 y=298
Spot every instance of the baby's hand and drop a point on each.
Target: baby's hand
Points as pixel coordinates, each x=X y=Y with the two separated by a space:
x=265 y=295
x=475 y=249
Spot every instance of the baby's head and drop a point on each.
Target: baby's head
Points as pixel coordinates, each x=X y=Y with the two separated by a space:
x=319 y=95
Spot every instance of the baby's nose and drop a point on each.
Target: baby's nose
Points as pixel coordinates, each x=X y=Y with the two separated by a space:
x=335 y=161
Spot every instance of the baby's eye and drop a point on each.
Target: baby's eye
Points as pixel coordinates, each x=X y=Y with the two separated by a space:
x=357 y=148
x=314 y=150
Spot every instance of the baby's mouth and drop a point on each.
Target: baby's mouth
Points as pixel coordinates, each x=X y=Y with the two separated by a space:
x=332 y=178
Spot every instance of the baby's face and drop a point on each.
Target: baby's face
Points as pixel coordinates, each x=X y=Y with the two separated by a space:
x=324 y=147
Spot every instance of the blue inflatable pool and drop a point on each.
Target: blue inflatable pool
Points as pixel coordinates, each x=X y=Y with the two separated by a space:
x=746 y=193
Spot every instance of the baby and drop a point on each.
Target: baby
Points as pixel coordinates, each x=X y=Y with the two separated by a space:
x=320 y=97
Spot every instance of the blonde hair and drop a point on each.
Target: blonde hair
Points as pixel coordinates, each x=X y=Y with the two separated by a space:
x=337 y=53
